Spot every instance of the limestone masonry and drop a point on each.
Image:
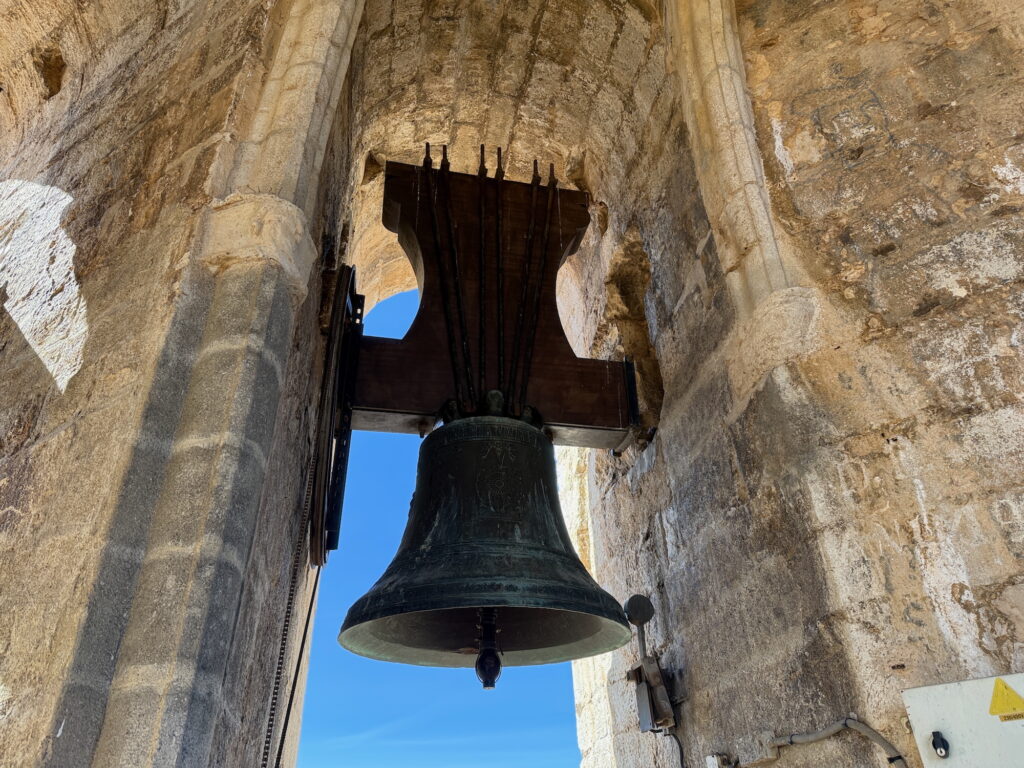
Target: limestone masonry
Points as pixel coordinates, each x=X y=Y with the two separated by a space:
x=806 y=230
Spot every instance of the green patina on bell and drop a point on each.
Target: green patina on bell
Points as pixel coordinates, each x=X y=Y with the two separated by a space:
x=485 y=532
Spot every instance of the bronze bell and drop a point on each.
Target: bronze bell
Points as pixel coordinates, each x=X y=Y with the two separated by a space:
x=485 y=565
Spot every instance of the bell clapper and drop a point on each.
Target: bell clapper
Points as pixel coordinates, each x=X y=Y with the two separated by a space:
x=488 y=662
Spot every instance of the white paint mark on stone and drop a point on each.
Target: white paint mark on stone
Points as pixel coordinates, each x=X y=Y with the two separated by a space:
x=37 y=273
x=60 y=730
x=781 y=153
x=943 y=570
x=974 y=260
x=5 y=700
x=1011 y=177
x=996 y=434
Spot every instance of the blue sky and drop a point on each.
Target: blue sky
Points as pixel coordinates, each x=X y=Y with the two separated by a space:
x=360 y=713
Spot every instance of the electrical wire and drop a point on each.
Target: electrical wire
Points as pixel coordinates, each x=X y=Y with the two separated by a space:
x=679 y=743
x=893 y=754
x=298 y=670
x=289 y=607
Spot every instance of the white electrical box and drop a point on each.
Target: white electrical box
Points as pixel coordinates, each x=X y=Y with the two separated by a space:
x=970 y=724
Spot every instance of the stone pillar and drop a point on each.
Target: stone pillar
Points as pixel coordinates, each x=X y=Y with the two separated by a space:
x=830 y=510
x=172 y=652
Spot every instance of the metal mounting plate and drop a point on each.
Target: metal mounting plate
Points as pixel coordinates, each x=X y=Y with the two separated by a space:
x=334 y=432
x=963 y=713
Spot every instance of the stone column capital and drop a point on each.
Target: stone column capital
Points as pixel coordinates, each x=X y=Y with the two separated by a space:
x=251 y=228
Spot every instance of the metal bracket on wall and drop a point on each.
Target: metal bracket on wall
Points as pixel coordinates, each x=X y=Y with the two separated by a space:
x=636 y=433
x=334 y=435
x=653 y=703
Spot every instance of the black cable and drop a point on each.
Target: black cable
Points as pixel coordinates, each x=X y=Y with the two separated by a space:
x=482 y=278
x=499 y=176
x=679 y=743
x=298 y=670
x=289 y=607
x=444 y=182
x=517 y=338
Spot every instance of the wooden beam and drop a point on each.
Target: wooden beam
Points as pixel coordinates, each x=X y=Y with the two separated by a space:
x=445 y=219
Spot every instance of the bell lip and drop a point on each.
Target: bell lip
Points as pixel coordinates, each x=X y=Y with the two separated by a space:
x=615 y=633
x=484 y=600
x=607 y=608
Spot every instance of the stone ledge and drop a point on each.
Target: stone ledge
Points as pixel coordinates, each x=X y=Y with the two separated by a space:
x=256 y=227
x=784 y=326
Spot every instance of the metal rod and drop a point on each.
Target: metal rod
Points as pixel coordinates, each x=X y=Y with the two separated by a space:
x=482 y=277
x=641 y=640
x=499 y=176
x=428 y=169
x=453 y=251
x=535 y=315
x=521 y=309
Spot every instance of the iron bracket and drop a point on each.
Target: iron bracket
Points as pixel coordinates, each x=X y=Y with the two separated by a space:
x=653 y=701
x=334 y=428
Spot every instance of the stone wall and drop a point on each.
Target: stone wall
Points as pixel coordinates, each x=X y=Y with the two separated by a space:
x=86 y=431
x=805 y=230
x=829 y=513
x=155 y=274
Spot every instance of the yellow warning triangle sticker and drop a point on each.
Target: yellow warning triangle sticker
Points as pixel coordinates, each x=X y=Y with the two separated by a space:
x=1006 y=702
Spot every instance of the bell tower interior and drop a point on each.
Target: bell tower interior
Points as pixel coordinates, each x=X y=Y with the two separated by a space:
x=804 y=231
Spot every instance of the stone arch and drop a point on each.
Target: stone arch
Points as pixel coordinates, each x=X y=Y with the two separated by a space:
x=606 y=108
x=580 y=85
x=589 y=87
